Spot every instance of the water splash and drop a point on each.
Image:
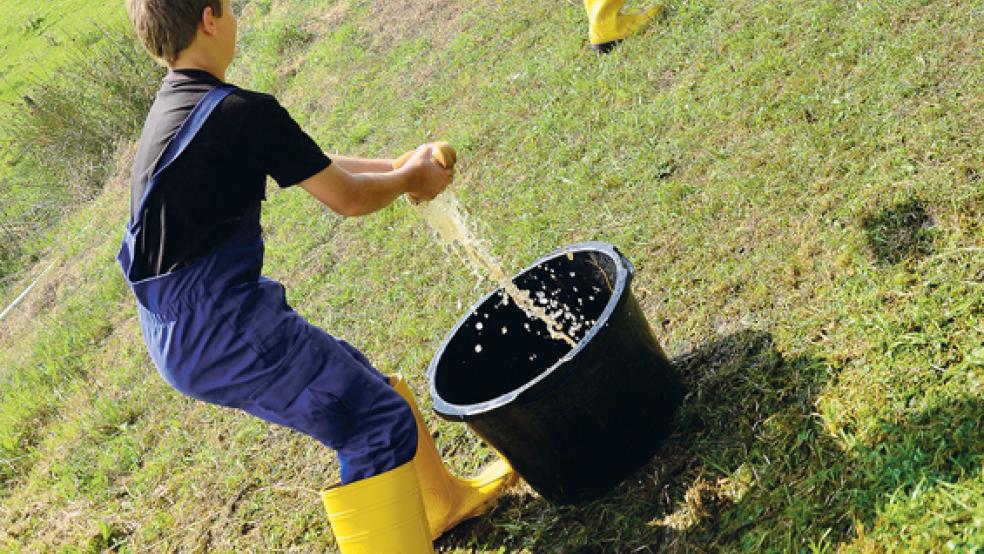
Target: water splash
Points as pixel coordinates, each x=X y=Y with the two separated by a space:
x=444 y=216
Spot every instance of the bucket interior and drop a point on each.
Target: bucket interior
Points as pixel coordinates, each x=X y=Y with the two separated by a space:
x=498 y=348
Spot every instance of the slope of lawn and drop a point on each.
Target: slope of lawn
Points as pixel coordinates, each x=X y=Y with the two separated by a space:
x=799 y=185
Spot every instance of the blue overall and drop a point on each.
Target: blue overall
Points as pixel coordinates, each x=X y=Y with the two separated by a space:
x=219 y=332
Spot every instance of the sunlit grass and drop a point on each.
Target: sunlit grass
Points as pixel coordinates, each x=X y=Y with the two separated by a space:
x=798 y=185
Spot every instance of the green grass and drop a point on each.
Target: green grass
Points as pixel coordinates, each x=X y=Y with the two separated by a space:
x=34 y=37
x=798 y=185
x=51 y=54
x=37 y=38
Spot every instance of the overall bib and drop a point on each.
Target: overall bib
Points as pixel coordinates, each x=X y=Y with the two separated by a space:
x=220 y=332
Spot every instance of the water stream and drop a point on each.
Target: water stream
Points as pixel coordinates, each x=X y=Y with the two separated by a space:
x=446 y=219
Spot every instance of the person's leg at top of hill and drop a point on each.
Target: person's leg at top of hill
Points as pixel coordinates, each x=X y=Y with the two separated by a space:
x=217 y=330
x=608 y=25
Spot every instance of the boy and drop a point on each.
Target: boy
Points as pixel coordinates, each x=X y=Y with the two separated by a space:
x=218 y=331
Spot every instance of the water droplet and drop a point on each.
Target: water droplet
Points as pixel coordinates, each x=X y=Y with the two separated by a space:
x=590 y=297
x=478 y=348
x=504 y=330
x=571 y=274
x=479 y=325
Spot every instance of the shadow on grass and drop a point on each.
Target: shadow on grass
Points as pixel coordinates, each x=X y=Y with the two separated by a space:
x=749 y=416
x=900 y=232
x=734 y=383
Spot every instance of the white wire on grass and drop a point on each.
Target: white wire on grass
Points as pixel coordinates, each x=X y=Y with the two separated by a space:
x=20 y=298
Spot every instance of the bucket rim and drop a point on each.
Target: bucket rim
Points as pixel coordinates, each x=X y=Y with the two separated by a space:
x=465 y=412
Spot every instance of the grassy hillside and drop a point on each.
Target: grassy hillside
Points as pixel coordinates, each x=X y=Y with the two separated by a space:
x=798 y=184
x=51 y=56
x=35 y=37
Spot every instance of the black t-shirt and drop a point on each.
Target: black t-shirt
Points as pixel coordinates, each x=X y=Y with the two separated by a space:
x=221 y=175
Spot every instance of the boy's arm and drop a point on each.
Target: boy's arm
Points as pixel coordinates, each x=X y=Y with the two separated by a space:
x=361 y=165
x=354 y=194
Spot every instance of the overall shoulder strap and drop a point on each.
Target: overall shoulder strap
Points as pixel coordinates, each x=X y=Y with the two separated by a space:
x=182 y=138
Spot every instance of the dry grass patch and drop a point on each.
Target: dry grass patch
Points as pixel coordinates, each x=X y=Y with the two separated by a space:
x=66 y=267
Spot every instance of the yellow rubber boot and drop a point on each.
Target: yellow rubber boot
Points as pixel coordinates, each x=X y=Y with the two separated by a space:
x=383 y=514
x=448 y=499
x=608 y=25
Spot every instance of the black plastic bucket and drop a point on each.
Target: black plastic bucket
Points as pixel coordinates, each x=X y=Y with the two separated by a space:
x=574 y=422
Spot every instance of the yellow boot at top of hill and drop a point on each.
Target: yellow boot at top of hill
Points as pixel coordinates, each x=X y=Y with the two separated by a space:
x=608 y=25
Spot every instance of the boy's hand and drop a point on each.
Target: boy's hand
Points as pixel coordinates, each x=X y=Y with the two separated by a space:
x=429 y=176
x=421 y=175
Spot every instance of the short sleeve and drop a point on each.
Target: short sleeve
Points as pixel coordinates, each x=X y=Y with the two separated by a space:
x=278 y=145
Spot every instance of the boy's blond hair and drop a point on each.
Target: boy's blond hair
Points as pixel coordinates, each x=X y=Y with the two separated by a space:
x=166 y=27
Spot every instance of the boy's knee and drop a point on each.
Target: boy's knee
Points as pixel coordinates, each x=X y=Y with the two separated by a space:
x=385 y=438
x=394 y=422
x=202 y=390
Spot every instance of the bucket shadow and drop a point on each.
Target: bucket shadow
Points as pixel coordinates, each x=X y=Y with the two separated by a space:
x=900 y=232
x=746 y=405
x=733 y=384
